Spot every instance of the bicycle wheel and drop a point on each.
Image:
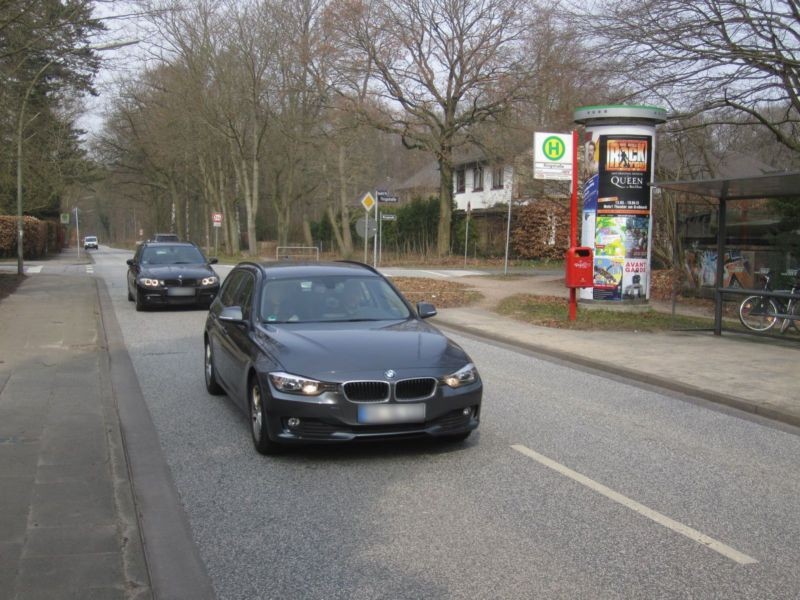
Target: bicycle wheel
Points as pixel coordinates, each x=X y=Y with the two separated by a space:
x=758 y=313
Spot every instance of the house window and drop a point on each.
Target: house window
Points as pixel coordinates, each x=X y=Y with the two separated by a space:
x=497 y=177
x=477 y=178
x=461 y=180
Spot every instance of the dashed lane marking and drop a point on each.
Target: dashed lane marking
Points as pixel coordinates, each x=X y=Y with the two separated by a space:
x=685 y=530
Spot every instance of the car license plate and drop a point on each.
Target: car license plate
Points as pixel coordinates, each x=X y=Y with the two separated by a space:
x=180 y=291
x=383 y=414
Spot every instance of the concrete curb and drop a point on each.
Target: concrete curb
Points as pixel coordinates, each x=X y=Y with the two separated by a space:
x=629 y=374
x=173 y=559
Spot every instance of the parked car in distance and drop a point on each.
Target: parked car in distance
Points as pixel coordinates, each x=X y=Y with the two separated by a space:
x=90 y=242
x=171 y=273
x=332 y=352
x=166 y=237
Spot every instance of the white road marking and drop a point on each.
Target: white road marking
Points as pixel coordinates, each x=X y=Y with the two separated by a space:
x=89 y=269
x=692 y=534
x=36 y=269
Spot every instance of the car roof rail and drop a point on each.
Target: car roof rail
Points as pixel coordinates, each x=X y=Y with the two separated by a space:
x=360 y=264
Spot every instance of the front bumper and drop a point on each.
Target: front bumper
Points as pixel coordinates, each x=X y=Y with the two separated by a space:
x=449 y=412
x=186 y=296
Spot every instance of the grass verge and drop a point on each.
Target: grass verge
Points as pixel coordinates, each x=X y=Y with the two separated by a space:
x=549 y=311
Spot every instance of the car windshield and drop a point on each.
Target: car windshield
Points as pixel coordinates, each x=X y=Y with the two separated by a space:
x=91 y=238
x=330 y=299
x=171 y=255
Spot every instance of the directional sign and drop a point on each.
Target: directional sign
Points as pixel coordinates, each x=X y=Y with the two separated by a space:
x=384 y=196
x=367 y=201
x=552 y=156
x=388 y=217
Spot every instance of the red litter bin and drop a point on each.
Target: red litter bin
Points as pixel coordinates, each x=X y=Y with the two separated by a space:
x=579 y=267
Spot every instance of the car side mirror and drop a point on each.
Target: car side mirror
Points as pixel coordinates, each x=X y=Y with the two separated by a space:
x=130 y=262
x=232 y=314
x=213 y=261
x=425 y=310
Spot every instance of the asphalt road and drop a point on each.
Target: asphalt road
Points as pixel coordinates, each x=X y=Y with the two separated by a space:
x=575 y=486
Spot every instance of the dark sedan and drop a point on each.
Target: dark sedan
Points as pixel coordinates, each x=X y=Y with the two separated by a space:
x=169 y=274
x=332 y=352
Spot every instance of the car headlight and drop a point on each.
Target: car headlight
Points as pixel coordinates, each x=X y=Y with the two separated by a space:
x=293 y=384
x=464 y=376
x=210 y=280
x=147 y=282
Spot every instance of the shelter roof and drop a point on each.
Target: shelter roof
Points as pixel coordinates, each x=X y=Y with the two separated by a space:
x=771 y=185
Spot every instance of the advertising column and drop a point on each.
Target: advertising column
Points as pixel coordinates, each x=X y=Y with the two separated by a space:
x=619 y=147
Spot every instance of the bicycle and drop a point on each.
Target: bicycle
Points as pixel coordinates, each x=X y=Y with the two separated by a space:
x=761 y=313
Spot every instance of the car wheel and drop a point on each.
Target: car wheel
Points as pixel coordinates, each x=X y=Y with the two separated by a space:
x=211 y=379
x=139 y=301
x=258 y=420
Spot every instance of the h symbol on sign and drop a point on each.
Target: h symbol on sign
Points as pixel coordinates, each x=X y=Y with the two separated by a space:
x=553 y=147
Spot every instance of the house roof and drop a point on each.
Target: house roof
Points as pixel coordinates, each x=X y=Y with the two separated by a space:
x=426 y=178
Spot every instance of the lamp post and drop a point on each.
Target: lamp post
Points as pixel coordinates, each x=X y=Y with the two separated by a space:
x=21 y=127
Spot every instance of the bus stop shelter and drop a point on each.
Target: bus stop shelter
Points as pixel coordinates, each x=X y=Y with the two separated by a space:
x=774 y=185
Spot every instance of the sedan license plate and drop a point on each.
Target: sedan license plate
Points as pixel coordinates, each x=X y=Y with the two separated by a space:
x=180 y=291
x=385 y=414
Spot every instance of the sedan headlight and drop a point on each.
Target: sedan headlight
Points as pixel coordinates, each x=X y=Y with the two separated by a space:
x=210 y=280
x=293 y=384
x=147 y=282
x=464 y=376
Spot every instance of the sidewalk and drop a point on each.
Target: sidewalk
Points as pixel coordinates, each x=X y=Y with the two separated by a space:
x=753 y=374
x=68 y=526
x=88 y=506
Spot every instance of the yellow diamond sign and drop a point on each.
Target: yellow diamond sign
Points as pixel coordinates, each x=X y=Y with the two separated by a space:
x=368 y=201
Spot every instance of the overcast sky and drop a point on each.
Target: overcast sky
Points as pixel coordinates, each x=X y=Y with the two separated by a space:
x=124 y=22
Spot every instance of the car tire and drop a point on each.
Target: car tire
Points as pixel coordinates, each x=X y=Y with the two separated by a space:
x=258 y=419
x=139 y=302
x=212 y=386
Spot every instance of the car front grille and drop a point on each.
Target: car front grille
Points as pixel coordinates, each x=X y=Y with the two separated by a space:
x=405 y=390
x=415 y=389
x=179 y=282
x=366 y=391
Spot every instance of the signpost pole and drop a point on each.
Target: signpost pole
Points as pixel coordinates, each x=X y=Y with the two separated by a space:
x=377 y=237
x=366 y=235
x=573 y=222
x=77 y=232
x=466 y=236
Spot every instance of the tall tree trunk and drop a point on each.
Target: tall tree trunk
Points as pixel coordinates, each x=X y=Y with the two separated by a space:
x=336 y=233
x=251 y=204
x=344 y=208
x=445 y=201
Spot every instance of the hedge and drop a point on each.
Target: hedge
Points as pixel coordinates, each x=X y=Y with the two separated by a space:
x=39 y=238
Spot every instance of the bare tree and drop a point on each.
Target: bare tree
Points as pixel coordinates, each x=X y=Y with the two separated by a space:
x=727 y=59
x=440 y=67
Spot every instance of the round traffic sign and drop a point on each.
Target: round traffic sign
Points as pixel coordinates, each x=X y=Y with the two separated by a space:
x=553 y=147
x=361 y=227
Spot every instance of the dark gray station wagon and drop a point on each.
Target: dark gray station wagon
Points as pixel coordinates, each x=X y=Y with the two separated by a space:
x=332 y=352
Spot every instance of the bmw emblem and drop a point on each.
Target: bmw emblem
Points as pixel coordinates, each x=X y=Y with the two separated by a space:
x=390 y=374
